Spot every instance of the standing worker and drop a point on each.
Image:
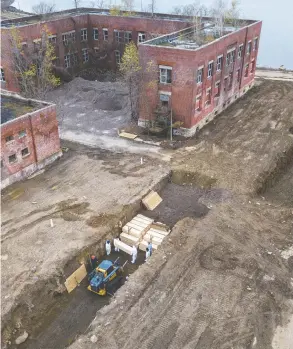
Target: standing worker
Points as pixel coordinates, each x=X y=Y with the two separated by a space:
x=94 y=261
x=117 y=248
x=108 y=247
x=147 y=254
x=150 y=247
x=134 y=254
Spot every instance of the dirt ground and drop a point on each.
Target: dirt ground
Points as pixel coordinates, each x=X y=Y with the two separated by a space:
x=245 y=145
x=224 y=276
x=86 y=193
x=225 y=280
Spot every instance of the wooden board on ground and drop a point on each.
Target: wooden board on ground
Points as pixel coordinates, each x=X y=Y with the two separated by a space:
x=129 y=239
x=122 y=246
x=127 y=135
x=152 y=200
x=75 y=278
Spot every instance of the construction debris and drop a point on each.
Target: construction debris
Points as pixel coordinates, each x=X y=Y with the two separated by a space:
x=127 y=135
x=152 y=200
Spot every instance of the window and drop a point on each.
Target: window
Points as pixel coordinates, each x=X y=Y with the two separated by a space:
x=9 y=138
x=96 y=49
x=219 y=63
x=105 y=34
x=238 y=75
x=208 y=96
x=230 y=58
x=249 y=48
x=255 y=44
x=199 y=76
x=83 y=33
x=96 y=34
x=68 y=37
x=52 y=39
x=141 y=37
x=67 y=62
x=37 y=44
x=198 y=103
x=12 y=158
x=240 y=51
x=22 y=133
x=230 y=81
x=24 y=152
x=2 y=76
x=246 y=70
x=210 y=69
x=225 y=84
x=74 y=58
x=127 y=37
x=85 y=55
x=118 y=57
x=164 y=100
x=165 y=74
x=118 y=36
x=252 y=66
x=217 y=88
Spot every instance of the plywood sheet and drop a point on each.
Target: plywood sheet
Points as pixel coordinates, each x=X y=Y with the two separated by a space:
x=127 y=135
x=152 y=200
x=75 y=278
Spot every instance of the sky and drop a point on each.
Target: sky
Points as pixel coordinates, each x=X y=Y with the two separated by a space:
x=276 y=42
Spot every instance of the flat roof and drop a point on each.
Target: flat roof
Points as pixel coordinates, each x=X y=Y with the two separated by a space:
x=101 y=12
x=13 y=107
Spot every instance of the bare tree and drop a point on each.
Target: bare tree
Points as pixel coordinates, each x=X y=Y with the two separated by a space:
x=128 y=5
x=43 y=8
x=77 y=3
x=152 y=7
x=6 y=3
x=99 y=4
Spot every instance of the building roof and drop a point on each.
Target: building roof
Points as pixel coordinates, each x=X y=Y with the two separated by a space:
x=27 y=20
x=14 y=106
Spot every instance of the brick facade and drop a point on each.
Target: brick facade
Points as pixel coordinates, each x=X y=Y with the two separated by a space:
x=35 y=143
x=185 y=92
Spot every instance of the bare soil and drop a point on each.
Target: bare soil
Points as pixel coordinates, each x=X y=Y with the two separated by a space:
x=86 y=194
x=225 y=280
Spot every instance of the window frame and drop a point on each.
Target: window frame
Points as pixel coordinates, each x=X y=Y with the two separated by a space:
x=119 y=35
x=240 y=51
x=85 y=54
x=12 y=162
x=83 y=34
x=127 y=36
x=255 y=43
x=198 y=98
x=249 y=47
x=25 y=155
x=210 y=69
x=218 y=88
x=95 y=33
x=105 y=34
x=139 y=35
x=219 y=62
x=20 y=133
x=199 y=75
x=117 y=55
x=2 y=75
x=67 y=61
x=166 y=72
x=208 y=93
x=9 y=140
x=52 y=39
x=246 y=70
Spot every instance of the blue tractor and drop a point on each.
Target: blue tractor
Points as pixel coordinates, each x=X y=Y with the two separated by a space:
x=105 y=277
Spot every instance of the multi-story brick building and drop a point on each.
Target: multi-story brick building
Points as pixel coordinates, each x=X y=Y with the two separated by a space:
x=195 y=77
x=29 y=137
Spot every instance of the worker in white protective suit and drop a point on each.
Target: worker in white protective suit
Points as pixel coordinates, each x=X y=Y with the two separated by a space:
x=147 y=254
x=108 y=247
x=134 y=254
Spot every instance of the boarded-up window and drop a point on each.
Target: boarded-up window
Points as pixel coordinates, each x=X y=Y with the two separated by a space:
x=217 y=89
x=198 y=103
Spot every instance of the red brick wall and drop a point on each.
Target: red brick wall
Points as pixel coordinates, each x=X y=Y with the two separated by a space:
x=57 y=27
x=185 y=64
x=42 y=139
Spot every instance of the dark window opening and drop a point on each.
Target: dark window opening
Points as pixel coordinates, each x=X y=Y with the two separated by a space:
x=12 y=158
x=24 y=152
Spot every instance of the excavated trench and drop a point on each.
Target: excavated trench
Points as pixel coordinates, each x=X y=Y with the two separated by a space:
x=54 y=319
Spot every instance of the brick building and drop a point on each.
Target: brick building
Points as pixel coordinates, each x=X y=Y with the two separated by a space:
x=29 y=137
x=196 y=77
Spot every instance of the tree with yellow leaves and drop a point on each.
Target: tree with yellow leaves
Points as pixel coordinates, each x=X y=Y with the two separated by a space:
x=33 y=66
